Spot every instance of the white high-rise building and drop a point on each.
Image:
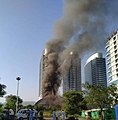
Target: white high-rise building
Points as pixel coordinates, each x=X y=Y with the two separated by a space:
x=41 y=78
x=112 y=58
x=95 y=70
x=42 y=67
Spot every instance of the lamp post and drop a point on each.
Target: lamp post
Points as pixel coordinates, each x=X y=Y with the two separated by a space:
x=18 y=79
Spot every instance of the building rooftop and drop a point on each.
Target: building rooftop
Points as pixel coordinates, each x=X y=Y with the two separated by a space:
x=96 y=55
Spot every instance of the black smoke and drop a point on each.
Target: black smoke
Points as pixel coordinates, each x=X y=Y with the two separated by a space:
x=82 y=28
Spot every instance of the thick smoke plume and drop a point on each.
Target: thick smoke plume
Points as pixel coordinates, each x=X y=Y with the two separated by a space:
x=81 y=28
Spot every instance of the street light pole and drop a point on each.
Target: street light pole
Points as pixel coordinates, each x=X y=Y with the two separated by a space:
x=18 y=79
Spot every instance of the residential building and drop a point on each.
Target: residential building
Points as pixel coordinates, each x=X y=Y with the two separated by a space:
x=112 y=58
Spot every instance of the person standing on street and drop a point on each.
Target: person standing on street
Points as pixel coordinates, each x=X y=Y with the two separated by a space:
x=54 y=115
x=59 y=114
x=63 y=115
x=31 y=114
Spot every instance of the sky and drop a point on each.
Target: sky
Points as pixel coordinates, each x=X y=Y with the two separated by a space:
x=25 y=27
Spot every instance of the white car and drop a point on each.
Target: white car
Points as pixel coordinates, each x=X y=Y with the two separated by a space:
x=23 y=113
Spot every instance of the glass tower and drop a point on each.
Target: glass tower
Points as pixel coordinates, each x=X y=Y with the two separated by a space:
x=72 y=80
x=95 y=70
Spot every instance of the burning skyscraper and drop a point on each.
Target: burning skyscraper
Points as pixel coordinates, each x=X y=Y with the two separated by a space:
x=42 y=68
x=72 y=79
x=46 y=69
x=81 y=26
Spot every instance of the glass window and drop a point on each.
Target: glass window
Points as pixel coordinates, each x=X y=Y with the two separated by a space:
x=114 y=37
x=116 y=60
x=116 y=70
x=117 y=75
x=115 y=51
x=116 y=56
x=115 y=47
x=116 y=65
x=114 y=42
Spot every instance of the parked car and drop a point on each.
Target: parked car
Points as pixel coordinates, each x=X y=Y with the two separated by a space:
x=7 y=114
x=24 y=114
x=4 y=114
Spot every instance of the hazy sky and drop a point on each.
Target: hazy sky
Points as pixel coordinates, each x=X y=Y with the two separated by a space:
x=25 y=27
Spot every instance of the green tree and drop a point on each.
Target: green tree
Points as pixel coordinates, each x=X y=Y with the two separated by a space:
x=28 y=106
x=100 y=97
x=39 y=107
x=2 y=91
x=1 y=107
x=113 y=94
x=11 y=102
x=73 y=102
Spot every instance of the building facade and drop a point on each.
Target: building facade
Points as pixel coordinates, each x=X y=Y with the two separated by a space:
x=95 y=70
x=72 y=80
x=42 y=67
x=112 y=58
